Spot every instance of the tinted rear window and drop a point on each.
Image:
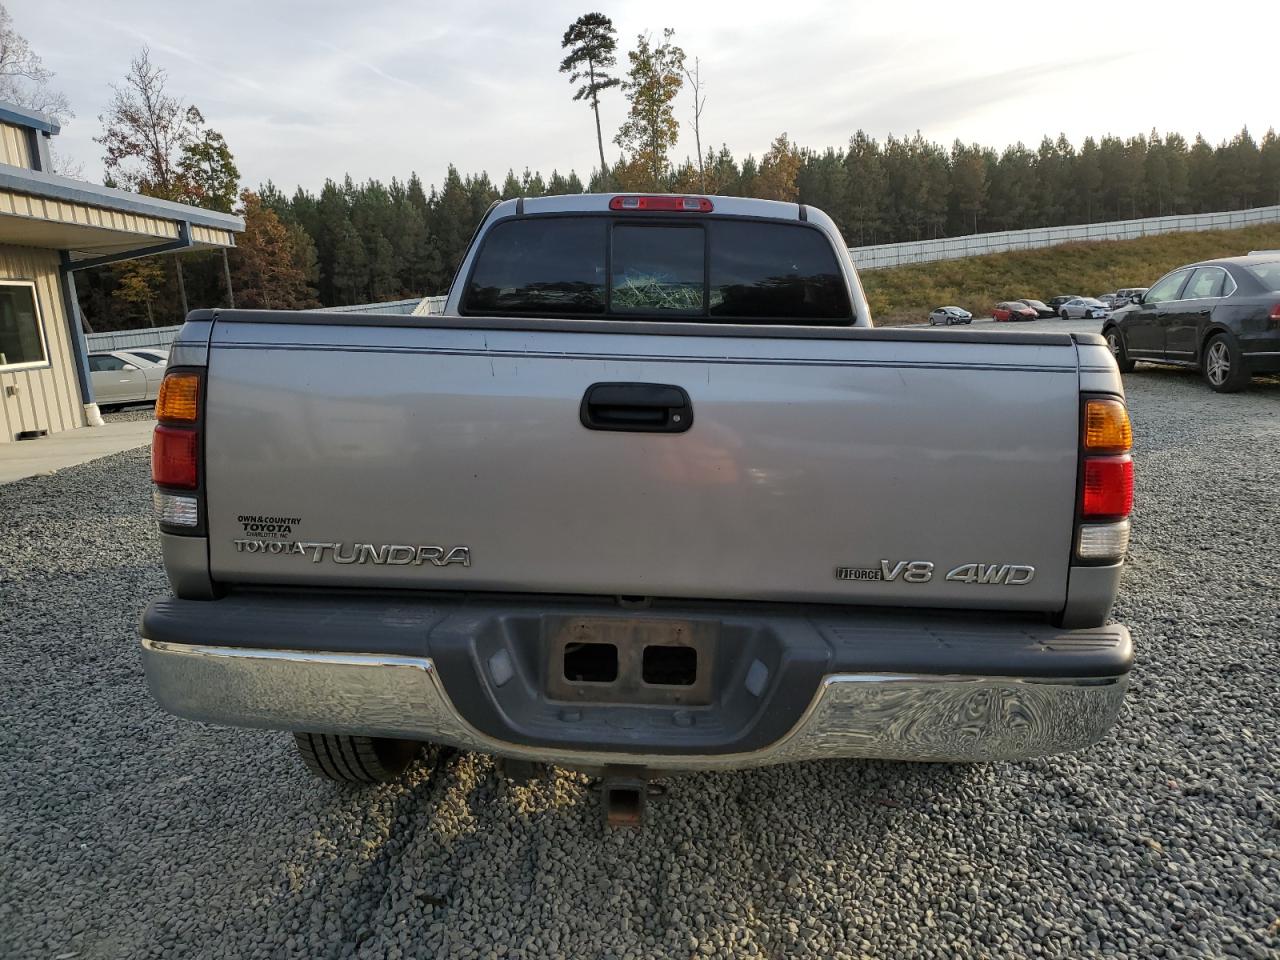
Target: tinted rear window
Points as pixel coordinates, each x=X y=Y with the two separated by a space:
x=723 y=270
x=774 y=270
x=554 y=265
x=1267 y=273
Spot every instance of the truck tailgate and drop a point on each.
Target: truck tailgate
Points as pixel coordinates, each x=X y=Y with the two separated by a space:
x=815 y=469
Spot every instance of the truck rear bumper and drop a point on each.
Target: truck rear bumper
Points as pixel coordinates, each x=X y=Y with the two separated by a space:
x=789 y=685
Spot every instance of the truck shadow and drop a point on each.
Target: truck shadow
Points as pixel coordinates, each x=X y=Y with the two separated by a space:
x=463 y=833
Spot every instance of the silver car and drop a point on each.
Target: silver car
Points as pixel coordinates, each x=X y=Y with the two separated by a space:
x=1086 y=308
x=946 y=316
x=120 y=377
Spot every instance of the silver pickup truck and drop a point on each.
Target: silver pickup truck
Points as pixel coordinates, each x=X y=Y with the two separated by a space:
x=651 y=496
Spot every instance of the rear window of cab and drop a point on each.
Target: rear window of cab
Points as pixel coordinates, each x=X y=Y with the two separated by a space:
x=715 y=270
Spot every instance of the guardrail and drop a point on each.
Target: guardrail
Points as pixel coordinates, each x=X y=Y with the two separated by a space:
x=882 y=255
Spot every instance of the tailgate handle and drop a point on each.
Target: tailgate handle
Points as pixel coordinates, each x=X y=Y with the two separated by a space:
x=636 y=408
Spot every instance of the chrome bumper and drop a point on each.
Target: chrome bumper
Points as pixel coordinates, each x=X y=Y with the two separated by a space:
x=886 y=716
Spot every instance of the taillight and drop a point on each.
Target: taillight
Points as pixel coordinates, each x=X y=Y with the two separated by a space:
x=664 y=204
x=1108 y=488
x=1106 y=481
x=175 y=451
x=1274 y=315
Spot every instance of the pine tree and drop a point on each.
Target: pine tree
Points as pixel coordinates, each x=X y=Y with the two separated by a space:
x=591 y=43
x=968 y=185
x=511 y=187
x=207 y=172
x=350 y=273
x=864 y=171
x=1269 y=168
x=778 y=170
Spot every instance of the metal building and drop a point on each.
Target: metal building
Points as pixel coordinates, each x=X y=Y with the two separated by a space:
x=50 y=227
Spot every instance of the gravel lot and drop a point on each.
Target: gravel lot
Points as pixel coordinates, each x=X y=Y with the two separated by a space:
x=138 y=411
x=128 y=833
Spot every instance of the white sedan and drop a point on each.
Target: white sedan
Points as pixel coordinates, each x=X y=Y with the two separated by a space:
x=1086 y=308
x=946 y=316
x=123 y=376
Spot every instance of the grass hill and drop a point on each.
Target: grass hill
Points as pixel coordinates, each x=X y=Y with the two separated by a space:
x=902 y=295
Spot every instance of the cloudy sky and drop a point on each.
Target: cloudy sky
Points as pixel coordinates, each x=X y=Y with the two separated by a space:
x=309 y=90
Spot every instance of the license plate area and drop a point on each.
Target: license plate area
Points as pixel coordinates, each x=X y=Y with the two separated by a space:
x=629 y=660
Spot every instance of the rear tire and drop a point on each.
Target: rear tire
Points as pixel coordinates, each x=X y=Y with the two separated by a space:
x=1223 y=366
x=345 y=759
x=1115 y=343
x=1064 y=315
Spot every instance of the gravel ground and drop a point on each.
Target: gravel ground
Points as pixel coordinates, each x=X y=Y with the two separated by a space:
x=143 y=411
x=128 y=833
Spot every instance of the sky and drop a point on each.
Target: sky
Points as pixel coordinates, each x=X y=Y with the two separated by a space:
x=304 y=91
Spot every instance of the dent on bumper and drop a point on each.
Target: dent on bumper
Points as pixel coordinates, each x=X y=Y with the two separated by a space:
x=885 y=716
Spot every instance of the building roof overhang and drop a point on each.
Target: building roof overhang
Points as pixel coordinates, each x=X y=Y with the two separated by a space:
x=98 y=224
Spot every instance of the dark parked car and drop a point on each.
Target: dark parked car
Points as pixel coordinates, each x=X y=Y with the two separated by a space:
x=1042 y=309
x=1013 y=310
x=1057 y=302
x=1220 y=316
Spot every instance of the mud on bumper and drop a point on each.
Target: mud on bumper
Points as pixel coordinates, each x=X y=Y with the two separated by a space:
x=782 y=684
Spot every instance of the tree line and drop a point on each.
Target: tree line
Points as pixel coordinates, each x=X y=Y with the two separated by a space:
x=357 y=242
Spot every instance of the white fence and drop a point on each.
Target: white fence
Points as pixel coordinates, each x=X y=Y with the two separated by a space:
x=159 y=337
x=955 y=248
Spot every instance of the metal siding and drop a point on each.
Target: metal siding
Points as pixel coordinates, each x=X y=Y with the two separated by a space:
x=15 y=148
x=48 y=397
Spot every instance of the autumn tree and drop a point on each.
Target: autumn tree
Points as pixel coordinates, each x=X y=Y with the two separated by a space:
x=266 y=265
x=591 y=43
x=145 y=130
x=156 y=144
x=652 y=84
x=137 y=283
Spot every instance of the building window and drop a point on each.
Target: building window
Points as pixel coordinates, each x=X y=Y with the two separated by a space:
x=22 y=342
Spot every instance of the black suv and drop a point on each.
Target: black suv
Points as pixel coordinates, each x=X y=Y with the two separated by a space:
x=1219 y=316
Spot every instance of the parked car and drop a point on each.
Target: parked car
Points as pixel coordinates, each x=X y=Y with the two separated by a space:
x=1057 y=302
x=1041 y=309
x=683 y=577
x=946 y=316
x=1083 y=308
x=1219 y=316
x=120 y=378
x=1013 y=310
x=151 y=355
